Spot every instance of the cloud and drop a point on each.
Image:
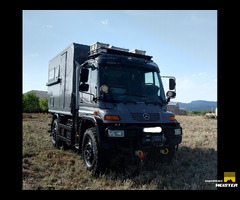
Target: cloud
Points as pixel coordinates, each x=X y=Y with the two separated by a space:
x=104 y=22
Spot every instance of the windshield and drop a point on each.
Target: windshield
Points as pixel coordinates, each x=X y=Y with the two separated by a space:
x=132 y=84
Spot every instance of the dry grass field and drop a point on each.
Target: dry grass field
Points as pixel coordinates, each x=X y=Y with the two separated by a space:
x=47 y=168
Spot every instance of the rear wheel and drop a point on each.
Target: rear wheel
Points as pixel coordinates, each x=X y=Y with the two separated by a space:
x=55 y=133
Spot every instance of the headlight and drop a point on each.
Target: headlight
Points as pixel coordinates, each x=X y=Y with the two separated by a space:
x=177 y=131
x=115 y=133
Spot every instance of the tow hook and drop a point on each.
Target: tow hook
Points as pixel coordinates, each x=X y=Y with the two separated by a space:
x=140 y=154
x=164 y=151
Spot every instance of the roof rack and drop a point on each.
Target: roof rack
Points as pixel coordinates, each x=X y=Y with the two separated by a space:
x=101 y=48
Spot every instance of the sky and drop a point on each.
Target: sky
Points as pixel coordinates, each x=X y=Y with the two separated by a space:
x=183 y=43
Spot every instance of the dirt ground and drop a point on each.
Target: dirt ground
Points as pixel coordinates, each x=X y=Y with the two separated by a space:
x=47 y=168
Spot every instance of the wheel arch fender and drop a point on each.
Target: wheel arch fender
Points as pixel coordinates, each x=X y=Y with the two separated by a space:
x=91 y=121
x=55 y=116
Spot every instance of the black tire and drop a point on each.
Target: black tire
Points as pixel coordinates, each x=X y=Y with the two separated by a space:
x=55 y=133
x=95 y=158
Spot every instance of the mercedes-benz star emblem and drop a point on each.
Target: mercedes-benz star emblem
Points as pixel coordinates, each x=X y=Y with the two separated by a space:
x=146 y=116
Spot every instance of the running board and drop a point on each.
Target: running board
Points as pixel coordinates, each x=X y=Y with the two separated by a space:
x=64 y=139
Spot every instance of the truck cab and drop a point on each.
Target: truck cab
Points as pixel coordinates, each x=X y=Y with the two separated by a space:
x=118 y=104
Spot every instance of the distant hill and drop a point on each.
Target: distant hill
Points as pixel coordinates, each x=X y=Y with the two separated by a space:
x=194 y=105
x=41 y=94
x=198 y=105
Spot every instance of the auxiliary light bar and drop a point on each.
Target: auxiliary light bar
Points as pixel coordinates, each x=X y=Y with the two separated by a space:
x=98 y=45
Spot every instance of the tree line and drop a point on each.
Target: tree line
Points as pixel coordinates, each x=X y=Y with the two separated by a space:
x=32 y=103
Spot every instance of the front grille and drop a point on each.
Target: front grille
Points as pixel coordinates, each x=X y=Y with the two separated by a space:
x=145 y=116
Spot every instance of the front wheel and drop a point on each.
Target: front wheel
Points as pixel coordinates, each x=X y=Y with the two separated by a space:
x=94 y=157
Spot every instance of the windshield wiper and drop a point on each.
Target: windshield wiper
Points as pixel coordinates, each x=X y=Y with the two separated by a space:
x=136 y=95
x=128 y=101
x=147 y=97
x=153 y=102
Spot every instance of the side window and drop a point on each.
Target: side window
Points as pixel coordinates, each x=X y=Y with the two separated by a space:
x=57 y=74
x=157 y=82
x=152 y=84
x=87 y=97
x=93 y=82
x=54 y=73
x=156 y=79
x=149 y=78
x=92 y=89
x=51 y=74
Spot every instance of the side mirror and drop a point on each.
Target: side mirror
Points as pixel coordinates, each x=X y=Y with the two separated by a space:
x=172 y=84
x=83 y=87
x=84 y=75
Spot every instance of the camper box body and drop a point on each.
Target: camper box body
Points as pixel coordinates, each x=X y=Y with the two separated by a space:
x=107 y=101
x=62 y=78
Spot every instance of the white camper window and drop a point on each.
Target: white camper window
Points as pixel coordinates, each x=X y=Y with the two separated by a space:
x=51 y=74
x=57 y=72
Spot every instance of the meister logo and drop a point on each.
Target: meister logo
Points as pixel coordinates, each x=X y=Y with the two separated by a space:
x=229 y=177
x=229 y=180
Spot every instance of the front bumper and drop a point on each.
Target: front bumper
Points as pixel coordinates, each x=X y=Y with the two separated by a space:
x=135 y=138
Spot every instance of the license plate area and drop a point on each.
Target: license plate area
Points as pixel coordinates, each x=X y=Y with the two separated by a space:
x=157 y=129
